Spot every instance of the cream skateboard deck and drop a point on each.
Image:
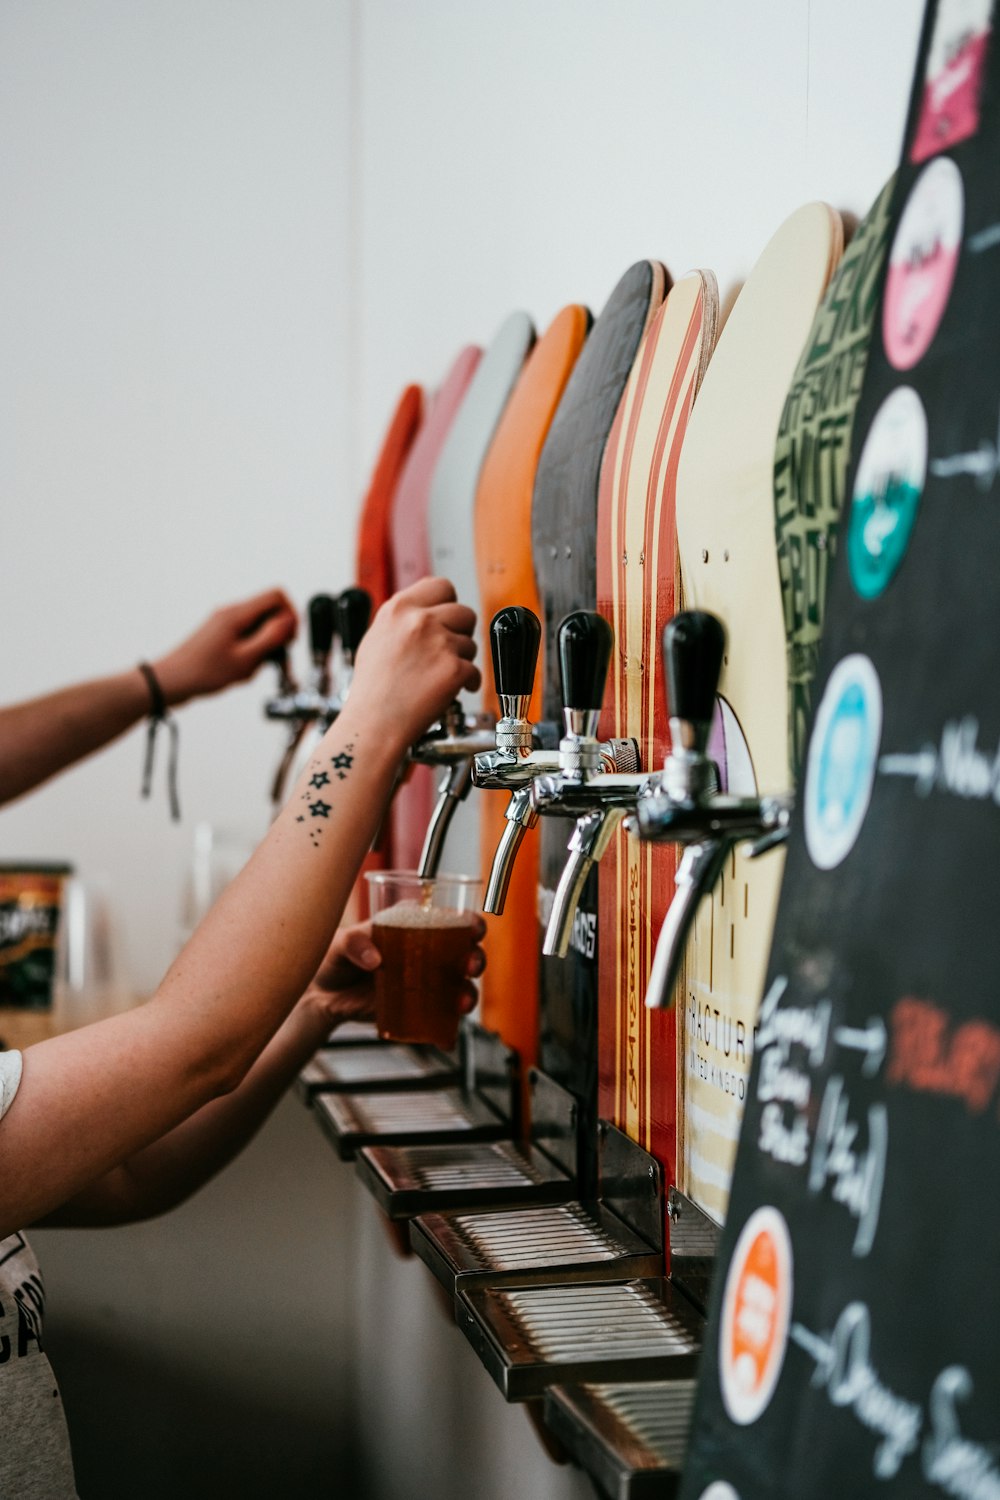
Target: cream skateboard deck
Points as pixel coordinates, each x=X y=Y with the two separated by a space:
x=725 y=539
x=451 y=518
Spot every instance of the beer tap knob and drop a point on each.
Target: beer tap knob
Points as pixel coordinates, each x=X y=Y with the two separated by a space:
x=598 y=800
x=354 y=612
x=684 y=805
x=322 y=628
x=515 y=635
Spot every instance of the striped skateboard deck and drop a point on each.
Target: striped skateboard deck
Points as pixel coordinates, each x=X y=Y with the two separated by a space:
x=451 y=520
x=564 y=543
x=636 y=593
x=508 y=992
x=725 y=539
x=411 y=559
x=813 y=451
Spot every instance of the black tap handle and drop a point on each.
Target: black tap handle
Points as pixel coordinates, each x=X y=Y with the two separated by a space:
x=354 y=611
x=693 y=646
x=322 y=624
x=515 y=634
x=584 y=641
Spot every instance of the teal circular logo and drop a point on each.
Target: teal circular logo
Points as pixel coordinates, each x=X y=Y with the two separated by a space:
x=887 y=491
x=840 y=769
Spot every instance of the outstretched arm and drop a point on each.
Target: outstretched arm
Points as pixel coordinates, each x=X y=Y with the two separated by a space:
x=91 y=1098
x=171 y=1169
x=47 y=734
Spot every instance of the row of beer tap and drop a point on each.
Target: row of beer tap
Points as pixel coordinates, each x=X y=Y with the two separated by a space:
x=597 y=784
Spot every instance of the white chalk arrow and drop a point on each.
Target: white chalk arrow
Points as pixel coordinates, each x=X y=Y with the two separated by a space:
x=873 y=1039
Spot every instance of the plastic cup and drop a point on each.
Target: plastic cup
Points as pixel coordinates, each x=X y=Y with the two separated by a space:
x=425 y=931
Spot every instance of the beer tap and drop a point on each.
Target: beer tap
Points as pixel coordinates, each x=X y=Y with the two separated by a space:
x=596 y=799
x=684 y=804
x=353 y=614
x=300 y=707
x=520 y=755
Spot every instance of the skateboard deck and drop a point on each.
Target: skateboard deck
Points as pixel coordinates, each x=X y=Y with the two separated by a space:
x=451 y=518
x=725 y=540
x=636 y=592
x=411 y=559
x=841 y=1356
x=508 y=991
x=564 y=544
x=812 y=454
x=373 y=550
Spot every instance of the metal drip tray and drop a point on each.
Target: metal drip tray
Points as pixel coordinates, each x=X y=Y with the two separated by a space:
x=529 y=1247
x=376 y=1065
x=408 y=1180
x=694 y=1244
x=631 y=1438
x=356 y=1120
x=532 y=1337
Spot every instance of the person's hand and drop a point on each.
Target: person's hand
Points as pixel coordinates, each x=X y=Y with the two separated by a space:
x=417 y=656
x=227 y=648
x=343 y=985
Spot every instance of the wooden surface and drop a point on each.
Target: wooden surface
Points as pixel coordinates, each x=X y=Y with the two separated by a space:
x=726 y=542
x=636 y=592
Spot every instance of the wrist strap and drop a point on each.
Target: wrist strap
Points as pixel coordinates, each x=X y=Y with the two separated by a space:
x=159 y=714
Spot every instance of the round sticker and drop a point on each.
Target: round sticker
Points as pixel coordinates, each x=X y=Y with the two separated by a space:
x=922 y=263
x=887 y=490
x=755 y=1312
x=840 y=768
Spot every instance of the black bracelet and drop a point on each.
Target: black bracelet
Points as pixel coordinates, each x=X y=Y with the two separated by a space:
x=159 y=714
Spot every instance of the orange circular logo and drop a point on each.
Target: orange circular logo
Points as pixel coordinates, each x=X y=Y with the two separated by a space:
x=755 y=1312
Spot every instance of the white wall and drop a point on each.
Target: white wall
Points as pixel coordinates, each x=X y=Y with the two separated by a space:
x=230 y=231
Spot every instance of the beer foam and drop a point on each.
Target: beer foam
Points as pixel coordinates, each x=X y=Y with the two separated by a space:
x=414 y=914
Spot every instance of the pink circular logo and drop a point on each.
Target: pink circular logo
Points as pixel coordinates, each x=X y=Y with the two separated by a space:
x=922 y=263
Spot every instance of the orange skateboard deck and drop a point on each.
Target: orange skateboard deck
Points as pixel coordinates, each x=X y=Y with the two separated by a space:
x=637 y=594
x=411 y=559
x=508 y=992
x=726 y=545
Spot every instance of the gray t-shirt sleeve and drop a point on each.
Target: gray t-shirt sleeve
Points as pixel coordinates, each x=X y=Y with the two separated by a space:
x=10 y=1077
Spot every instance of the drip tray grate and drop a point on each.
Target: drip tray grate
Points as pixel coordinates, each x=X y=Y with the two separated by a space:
x=380 y=1065
x=532 y=1246
x=408 y=1180
x=531 y=1337
x=630 y=1438
x=366 y=1119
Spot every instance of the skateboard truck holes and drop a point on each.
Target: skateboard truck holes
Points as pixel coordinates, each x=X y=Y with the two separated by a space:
x=582 y=789
x=684 y=805
x=518 y=758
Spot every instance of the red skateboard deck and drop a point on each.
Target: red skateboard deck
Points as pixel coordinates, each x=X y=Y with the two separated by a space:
x=637 y=594
x=509 y=987
x=373 y=569
x=411 y=559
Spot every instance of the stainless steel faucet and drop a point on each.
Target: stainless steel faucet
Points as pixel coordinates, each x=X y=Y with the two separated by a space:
x=683 y=805
x=583 y=788
x=524 y=751
x=452 y=743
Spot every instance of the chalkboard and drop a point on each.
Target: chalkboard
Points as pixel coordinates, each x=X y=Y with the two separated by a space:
x=852 y=1347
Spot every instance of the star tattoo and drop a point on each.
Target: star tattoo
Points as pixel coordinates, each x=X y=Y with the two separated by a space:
x=320 y=809
x=320 y=779
x=342 y=764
